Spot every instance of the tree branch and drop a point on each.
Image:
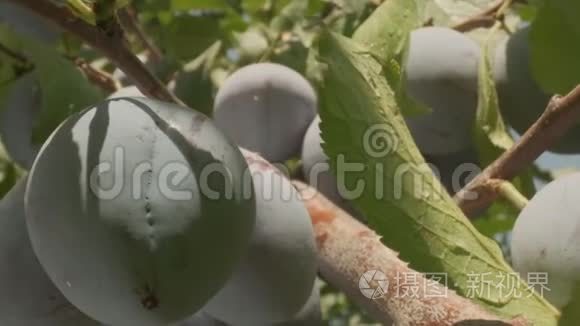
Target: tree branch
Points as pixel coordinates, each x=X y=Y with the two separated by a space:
x=562 y=114
x=111 y=42
x=96 y=76
x=347 y=249
x=128 y=18
x=486 y=18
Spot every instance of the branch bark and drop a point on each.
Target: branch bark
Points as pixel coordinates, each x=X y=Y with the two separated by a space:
x=486 y=18
x=562 y=114
x=128 y=18
x=96 y=76
x=347 y=249
x=110 y=42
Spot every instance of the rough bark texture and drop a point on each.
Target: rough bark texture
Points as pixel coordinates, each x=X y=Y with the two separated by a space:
x=347 y=249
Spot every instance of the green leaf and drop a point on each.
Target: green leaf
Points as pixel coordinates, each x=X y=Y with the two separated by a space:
x=386 y=33
x=64 y=88
x=185 y=37
x=193 y=85
x=490 y=132
x=293 y=13
x=400 y=196
x=350 y=15
x=571 y=312
x=179 y=5
x=555 y=49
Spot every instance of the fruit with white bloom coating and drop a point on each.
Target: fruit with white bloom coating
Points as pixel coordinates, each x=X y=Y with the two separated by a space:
x=315 y=165
x=278 y=273
x=28 y=297
x=266 y=108
x=128 y=91
x=522 y=101
x=149 y=221
x=17 y=117
x=310 y=314
x=441 y=73
x=545 y=238
x=28 y=24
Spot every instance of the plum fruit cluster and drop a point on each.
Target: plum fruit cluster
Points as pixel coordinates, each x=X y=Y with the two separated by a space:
x=140 y=212
x=266 y=108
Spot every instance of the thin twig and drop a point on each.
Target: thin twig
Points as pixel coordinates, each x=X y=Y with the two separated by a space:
x=486 y=18
x=347 y=250
x=128 y=18
x=511 y=194
x=97 y=76
x=561 y=115
x=13 y=54
x=110 y=42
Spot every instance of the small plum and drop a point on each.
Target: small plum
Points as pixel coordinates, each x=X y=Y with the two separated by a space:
x=441 y=73
x=317 y=172
x=545 y=238
x=28 y=297
x=455 y=170
x=134 y=210
x=17 y=117
x=521 y=99
x=266 y=108
x=28 y=24
x=277 y=275
x=310 y=314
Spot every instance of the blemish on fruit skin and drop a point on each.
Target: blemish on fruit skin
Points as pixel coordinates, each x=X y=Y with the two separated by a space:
x=543 y=253
x=149 y=299
x=197 y=123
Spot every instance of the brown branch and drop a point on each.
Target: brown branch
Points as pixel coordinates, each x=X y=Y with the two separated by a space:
x=347 y=249
x=486 y=18
x=128 y=18
x=562 y=114
x=96 y=76
x=110 y=42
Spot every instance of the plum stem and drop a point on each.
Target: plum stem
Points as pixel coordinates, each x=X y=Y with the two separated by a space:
x=561 y=114
x=511 y=194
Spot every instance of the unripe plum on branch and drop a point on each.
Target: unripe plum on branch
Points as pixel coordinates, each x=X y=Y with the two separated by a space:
x=17 y=117
x=278 y=272
x=545 y=238
x=28 y=297
x=521 y=99
x=148 y=221
x=266 y=108
x=441 y=73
